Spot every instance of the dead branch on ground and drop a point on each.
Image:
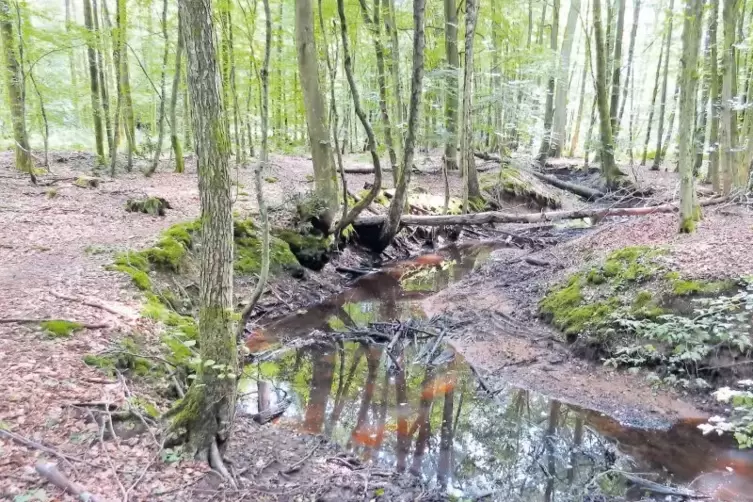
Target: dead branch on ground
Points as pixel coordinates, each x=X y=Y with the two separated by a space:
x=51 y=474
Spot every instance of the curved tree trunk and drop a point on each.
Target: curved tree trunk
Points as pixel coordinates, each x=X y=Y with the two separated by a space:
x=663 y=100
x=451 y=94
x=325 y=177
x=13 y=83
x=397 y=205
x=471 y=188
x=690 y=212
x=208 y=409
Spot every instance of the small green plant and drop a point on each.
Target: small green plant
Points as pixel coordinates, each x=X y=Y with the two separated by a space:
x=60 y=328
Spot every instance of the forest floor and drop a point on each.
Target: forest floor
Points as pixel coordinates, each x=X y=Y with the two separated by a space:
x=58 y=239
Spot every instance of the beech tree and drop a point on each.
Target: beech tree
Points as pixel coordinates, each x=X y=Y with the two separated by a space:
x=451 y=92
x=206 y=413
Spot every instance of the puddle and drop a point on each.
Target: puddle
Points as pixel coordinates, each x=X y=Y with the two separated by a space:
x=434 y=422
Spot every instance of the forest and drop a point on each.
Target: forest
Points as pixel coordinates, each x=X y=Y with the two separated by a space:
x=381 y=250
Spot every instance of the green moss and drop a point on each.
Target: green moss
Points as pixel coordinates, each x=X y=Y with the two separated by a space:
x=125 y=359
x=594 y=276
x=132 y=259
x=155 y=206
x=380 y=198
x=183 y=232
x=590 y=315
x=140 y=278
x=642 y=299
x=686 y=287
x=271 y=179
x=687 y=225
x=631 y=264
x=158 y=311
x=102 y=362
x=672 y=275
x=560 y=301
x=168 y=253
x=311 y=251
x=60 y=328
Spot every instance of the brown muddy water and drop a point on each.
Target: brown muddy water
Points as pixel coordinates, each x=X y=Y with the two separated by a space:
x=437 y=424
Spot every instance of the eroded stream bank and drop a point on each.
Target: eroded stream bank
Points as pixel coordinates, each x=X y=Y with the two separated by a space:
x=417 y=406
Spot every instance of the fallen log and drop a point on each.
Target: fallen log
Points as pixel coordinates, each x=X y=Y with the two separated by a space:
x=500 y=217
x=583 y=191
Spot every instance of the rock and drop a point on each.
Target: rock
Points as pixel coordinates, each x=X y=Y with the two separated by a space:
x=84 y=181
x=150 y=205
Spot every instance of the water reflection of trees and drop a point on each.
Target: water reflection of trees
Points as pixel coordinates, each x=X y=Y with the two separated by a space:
x=431 y=422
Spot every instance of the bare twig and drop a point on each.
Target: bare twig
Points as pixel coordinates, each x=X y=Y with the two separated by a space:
x=86 y=301
x=293 y=468
x=31 y=444
x=52 y=475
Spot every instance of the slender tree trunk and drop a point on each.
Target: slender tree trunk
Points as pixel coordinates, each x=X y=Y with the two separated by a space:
x=397 y=205
x=94 y=81
x=663 y=100
x=671 y=120
x=174 y=139
x=651 y=107
x=714 y=103
x=71 y=57
x=583 y=78
x=690 y=211
x=14 y=84
x=240 y=153
x=163 y=94
x=388 y=7
x=471 y=188
x=125 y=82
x=631 y=51
x=325 y=177
x=549 y=106
x=617 y=69
x=700 y=130
x=560 y=101
x=608 y=168
x=207 y=411
x=103 y=88
x=728 y=121
x=451 y=83
x=117 y=54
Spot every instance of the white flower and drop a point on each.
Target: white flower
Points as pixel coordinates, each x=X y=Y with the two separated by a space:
x=745 y=383
x=724 y=394
x=706 y=428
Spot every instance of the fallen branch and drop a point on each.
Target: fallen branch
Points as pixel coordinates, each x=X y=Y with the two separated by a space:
x=583 y=191
x=31 y=444
x=500 y=217
x=51 y=474
x=295 y=467
x=86 y=301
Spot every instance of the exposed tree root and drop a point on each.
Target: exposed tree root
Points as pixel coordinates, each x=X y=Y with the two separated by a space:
x=500 y=217
x=216 y=462
x=24 y=320
x=52 y=475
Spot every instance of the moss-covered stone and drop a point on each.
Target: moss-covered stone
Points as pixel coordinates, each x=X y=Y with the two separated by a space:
x=155 y=206
x=60 y=328
x=311 y=251
x=84 y=181
x=248 y=250
x=168 y=254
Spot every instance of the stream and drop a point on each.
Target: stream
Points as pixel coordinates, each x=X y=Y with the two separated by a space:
x=434 y=421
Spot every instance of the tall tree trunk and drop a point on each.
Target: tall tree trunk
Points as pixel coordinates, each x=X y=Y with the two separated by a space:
x=102 y=80
x=652 y=105
x=174 y=139
x=690 y=211
x=208 y=409
x=583 y=78
x=14 y=84
x=163 y=94
x=671 y=120
x=714 y=103
x=560 y=100
x=665 y=79
x=390 y=26
x=549 y=106
x=117 y=54
x=397 y=205
x=71 y=57
x=94 y=81
x=325 y=178
x=240 y=154
x=700 y=130
x=125 y=82
x=471 y=188
x=617 y=69
x=608 y=168
x=451 y=83
x=631 y=51
x=728 y=121
x=376 y=29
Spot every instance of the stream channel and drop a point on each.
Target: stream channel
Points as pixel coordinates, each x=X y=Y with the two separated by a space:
x=435 y=422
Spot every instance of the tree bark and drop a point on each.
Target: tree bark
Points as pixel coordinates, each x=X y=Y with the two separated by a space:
x=654 y=94
x=208 y=409
x=663 y=100
x=728 y=121
x=691 y=35
x=471 y=188
x=714 y=104
x=631 y=51
x=392 y=222
x=451 y=83
x=94 y=82
x=71 y=57
x=549 y=106
x=125 y=82
x=700 y=130
x=163 y=95
x=391 y=29
x=174 y=139
x=102 y=80
x=617 y=69
x=13 y=83
x=557 y=138
x=325 y=178
x=581 y=102
x=608 y=168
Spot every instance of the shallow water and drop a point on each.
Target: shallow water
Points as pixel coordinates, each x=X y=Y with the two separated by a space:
x=434 y=422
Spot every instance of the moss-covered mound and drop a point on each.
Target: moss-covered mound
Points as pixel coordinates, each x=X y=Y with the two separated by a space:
x=155 y=206
x=632 y=309
x=513 y=186
x=311 y=250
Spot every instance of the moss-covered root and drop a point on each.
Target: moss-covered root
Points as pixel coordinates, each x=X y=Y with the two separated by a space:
x=61 y=328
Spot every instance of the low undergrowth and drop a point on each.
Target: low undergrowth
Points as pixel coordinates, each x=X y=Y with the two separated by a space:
x=632 y=310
